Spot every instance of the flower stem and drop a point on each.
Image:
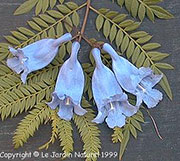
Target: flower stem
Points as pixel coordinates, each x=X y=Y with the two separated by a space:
x=78 y=33
x=85 y=19
x=87 y=40
x=154 y=123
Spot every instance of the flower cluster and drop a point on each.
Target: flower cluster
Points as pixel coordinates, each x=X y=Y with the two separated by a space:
x=107 y=85
x=111 y=101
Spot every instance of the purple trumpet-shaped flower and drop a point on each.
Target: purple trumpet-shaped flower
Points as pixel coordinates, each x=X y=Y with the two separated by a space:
x=35 y=56
x=69 y=87
x=111 y=102
x=139 y=82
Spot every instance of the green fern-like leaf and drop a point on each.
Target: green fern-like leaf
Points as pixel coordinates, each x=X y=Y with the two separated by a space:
x=142 y=8
x=88 y=69
x=62 y=130
x=135 y=45
x=65 y=135
x=40 y=6
x=30 y=124
x=122 y=135
x=117 y=136
x=23 y=98
x=25 y=7
x=89 y=133
x=54 y=134
x=48 y=24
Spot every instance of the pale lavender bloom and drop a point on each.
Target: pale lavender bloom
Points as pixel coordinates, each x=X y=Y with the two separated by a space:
x=69 y=87
x=139 y=82
x=35 y=56
x=111 y=102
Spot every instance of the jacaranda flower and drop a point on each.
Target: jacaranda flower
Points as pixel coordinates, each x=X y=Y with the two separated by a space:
x=35 y=56
x=69 y=87
x=136 y=81
x=108 y=95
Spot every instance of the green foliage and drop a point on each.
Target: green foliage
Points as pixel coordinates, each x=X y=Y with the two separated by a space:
x=30 y=124
x=89 y=133
x=16 y=98
x=62 y=130
x=26 y=7
x=65 y=135
x=135 y=44
x=142 y=8
x=40 y=6
x=45 y=25
x=122 y=135
x=54 y=120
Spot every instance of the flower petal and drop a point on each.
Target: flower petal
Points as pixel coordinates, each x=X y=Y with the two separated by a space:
x=139 y=98
x=15 y=65
x=13 y=51
x=102 y=113
x=39 y=54
x=134 y=80
x=125 y=107
x=145 y=72
x=65 y=112
x=126 y=73
x=151 y=80
x=152 y=98
x=55 y=101
x=128 y=109
x=24 y=75
x=79 y=110
x=115 y=118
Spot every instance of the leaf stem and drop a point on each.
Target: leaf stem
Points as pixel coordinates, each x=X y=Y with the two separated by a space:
x=17 y=143
x=85 y=20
